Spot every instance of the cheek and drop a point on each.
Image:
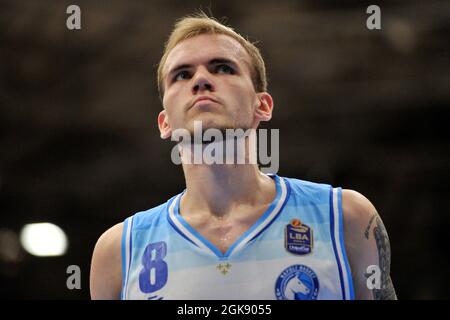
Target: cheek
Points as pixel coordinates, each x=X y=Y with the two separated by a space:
x=168 y=98
x=170 y=102
x=240 y=92
x=246 y=101
x=170 y=112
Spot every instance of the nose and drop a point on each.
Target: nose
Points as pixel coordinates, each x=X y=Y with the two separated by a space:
x=202 y=81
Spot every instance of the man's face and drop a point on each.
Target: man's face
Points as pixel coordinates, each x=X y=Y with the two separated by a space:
x=214 y=68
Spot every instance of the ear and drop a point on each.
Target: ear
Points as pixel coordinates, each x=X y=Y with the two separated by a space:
x=164 y=126
x=263 y=111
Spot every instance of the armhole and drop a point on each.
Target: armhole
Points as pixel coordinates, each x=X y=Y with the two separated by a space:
x=126 y=247
x=337 y=235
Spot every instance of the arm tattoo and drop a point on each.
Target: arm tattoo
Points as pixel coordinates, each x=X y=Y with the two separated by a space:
x=386 y=291
x=366 y=233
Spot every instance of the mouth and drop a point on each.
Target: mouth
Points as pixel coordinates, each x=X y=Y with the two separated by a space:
x=203 y=100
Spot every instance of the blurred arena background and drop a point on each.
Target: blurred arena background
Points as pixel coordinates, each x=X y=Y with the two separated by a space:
x=357 y=108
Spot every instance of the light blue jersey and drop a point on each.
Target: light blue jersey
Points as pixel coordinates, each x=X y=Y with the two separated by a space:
x=294 y=251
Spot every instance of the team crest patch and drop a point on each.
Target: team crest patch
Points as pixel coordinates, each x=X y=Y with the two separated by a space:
x=297 y=282
x=298 y=238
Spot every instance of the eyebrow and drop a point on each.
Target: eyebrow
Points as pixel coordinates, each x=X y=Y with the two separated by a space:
x=210 y=62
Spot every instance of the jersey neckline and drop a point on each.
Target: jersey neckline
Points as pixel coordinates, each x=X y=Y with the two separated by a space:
x=193 y=236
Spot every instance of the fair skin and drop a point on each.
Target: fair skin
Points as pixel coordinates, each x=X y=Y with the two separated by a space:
x=222 y=201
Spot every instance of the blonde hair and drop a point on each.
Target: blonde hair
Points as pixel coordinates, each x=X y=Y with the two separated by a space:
x=200 y=23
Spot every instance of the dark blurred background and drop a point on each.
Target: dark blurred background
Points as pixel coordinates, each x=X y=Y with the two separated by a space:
x=357 y=108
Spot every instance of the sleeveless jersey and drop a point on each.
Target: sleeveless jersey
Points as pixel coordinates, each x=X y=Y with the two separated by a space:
x=294 y=251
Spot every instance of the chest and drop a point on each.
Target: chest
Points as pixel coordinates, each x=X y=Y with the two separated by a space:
x=223 y=235
x=264 y=270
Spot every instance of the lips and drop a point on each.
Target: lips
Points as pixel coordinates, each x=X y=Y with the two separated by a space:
x=203 y=98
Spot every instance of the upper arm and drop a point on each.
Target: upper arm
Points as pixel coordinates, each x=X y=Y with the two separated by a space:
x=106 y=266
x=367 y=244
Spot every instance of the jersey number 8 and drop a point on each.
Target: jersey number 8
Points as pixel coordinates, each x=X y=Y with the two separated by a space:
x=153 y=275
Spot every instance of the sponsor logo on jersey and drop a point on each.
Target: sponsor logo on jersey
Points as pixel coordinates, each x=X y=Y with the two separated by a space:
x=297 y=282
x=298 y=238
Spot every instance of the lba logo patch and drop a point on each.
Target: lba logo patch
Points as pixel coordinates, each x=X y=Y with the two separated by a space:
x=298 y=238
x=297 y=282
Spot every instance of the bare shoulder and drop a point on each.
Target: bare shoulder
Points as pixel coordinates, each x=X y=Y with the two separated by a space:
x=356 y=207
x=106 y=266
x=367 y=246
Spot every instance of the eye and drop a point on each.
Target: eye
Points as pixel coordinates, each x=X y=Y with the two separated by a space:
x=182 y=75
x=224 y=68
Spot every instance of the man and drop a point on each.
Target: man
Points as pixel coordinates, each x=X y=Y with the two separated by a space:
x=234 y=232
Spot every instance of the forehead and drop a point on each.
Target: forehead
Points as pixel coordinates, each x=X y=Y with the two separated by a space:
x=204 y=47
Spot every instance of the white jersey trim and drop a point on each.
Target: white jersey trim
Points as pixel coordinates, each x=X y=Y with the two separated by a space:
x=338 y=227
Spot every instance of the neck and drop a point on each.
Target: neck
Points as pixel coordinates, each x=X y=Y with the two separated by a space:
x=219 y=188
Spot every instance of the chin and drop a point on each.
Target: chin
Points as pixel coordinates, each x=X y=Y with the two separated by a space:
x=208 y=122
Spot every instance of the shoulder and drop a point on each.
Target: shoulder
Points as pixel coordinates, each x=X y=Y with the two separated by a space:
x=106 y=266
x=358 y=212
x=358 y=215
x=308 y=190
x=367 y=245
x=356 y=208
x=110 y=239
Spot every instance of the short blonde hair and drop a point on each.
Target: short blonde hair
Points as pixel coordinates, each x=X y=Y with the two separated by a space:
x=200 y=23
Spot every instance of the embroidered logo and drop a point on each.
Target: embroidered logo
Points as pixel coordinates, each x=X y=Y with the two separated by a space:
x=297 y=282
x=298 y=238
